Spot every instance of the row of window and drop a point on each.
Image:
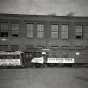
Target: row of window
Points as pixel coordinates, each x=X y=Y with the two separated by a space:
x=54 y=31
x=57 y=30
x=4 y=30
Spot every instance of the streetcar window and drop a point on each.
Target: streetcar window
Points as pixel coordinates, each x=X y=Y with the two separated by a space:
x=15 y=57
x=9 y=56
x=3 y=56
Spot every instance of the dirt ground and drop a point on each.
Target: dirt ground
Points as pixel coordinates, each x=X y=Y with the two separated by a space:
x=63 y=77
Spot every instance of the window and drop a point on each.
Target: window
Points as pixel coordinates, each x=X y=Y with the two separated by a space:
x=64 y=31
x=29 y=30
x=54 y=31
x=15 y=30
x=3 y=30
x=86 y=31
x=78 y=31
x=40 y=30
x=3 y=34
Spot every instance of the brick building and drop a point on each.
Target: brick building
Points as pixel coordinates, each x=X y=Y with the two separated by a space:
x=61 y=36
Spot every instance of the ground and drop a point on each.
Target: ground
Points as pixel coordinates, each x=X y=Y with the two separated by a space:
x=61 y=77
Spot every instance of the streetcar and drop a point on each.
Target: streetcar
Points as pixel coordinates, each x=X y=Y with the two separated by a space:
x=10 y=58
x=74 y=58
x=45 y=58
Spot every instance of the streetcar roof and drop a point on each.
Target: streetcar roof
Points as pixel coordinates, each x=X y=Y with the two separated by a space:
x=10 y=53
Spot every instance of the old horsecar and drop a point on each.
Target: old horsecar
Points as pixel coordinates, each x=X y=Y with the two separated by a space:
x=59 y=39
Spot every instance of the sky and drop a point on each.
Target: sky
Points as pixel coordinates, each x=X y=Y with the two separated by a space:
x=45 y=7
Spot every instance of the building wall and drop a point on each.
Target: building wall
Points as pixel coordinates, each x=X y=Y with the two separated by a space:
x=61 y=45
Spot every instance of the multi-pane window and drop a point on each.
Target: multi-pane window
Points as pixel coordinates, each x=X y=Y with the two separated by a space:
x=78 y=31
x=40 y=30
x=64 y=31
x=54 y=31
x=29 y=30
x=85 y=32
x=3 y=30
x=15 y=29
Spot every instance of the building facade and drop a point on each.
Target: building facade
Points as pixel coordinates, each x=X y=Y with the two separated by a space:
x=60 y=36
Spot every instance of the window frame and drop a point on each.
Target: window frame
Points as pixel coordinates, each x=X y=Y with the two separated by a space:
x=40 y=30
x=4 y=29
x=78 y=33
x=30 y=29
x=85 y=31
x=54 y=29
x=66 y=32
x=15 y=29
